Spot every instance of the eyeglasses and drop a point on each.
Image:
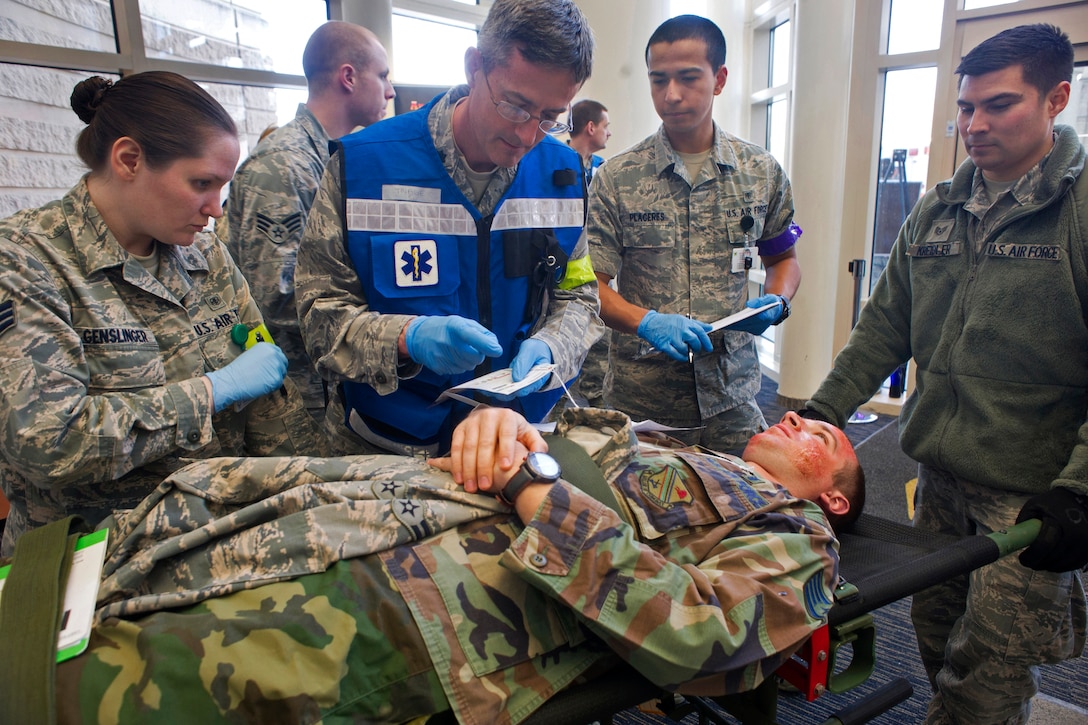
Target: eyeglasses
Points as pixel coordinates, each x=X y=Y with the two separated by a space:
x=514 y=114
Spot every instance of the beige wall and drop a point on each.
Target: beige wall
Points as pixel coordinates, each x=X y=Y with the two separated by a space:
x=621 y=29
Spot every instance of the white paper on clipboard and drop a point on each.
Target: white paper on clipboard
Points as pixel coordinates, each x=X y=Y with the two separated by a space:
x=726 y=322
x=499 y=382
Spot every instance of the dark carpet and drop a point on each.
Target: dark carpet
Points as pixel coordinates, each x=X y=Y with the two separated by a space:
x=888 y=471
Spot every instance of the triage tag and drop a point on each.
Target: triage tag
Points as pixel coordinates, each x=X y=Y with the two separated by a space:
x=247 y=338
x=80 y=594
x=742 y=259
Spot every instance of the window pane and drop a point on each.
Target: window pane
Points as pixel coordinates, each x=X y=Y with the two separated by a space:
x=444 y=62
x=915 y=25
x=904 y=155
x=257 y=34
x=38 y=130
x=254 y=109
x=972 y=4
x=780 y=54
x=82 y=24
x=777 y=113
x=1076 y=113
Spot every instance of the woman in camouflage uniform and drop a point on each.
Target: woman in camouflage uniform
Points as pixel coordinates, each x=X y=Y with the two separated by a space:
x=116 y=313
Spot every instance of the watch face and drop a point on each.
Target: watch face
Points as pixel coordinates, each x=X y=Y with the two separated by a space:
x=545 y=466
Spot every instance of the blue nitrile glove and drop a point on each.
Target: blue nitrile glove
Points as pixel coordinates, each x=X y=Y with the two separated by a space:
x=756 y=324
x=256 y=372
x=532 y=352
x=675 y=335
x=450 y=345
x=1062 y=543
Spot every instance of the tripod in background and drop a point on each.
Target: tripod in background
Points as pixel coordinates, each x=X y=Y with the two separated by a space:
x=857 y=267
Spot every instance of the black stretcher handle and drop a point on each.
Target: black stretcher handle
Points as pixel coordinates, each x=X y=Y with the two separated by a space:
x=965 y=555
x=882 y=700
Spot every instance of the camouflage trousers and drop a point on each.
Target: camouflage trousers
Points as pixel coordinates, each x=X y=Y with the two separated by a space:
x=983 y=635
x=728 y=431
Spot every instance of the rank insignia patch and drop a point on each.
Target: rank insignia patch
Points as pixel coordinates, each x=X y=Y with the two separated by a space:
x=279 y=231
x=7 y=316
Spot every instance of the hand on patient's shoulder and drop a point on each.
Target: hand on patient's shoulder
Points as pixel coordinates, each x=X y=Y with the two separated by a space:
x=487 y=448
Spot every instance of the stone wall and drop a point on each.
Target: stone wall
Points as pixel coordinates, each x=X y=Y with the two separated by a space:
x=37 y=125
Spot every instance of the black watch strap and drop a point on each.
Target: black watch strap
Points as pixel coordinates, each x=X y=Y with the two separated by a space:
x=786 y=310
x=514 y=486
x=537 y=468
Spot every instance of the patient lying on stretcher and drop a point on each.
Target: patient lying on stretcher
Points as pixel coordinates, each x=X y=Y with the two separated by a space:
x=384 y=589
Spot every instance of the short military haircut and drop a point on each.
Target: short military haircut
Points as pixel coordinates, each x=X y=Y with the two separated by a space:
x=550 y=33
x=850 y=482
x=332 y=45
x=689 y=27
x=583 y=112
x=1042 y=50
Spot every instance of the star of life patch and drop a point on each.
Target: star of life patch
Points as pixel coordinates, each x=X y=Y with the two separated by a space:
x=416 y=262
x=664 y=486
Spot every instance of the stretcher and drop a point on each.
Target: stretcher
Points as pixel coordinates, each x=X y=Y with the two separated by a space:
x=881 y=562
x=837 y=658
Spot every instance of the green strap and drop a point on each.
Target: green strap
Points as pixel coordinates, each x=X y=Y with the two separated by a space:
x=580 y=470
x=30 y=616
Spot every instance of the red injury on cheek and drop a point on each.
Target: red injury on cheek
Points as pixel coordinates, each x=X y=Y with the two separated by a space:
x=811 y=461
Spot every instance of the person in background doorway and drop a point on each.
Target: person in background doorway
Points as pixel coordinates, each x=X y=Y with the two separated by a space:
x=589 y=133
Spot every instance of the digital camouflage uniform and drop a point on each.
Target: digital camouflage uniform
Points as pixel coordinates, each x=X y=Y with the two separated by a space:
x=101 y=363
x=705 y=582
x=990 y=302
x=348 y=342
x=669 y=239
x=270 y=196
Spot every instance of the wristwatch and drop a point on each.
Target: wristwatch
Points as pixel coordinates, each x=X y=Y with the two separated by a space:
x=786 y=309
x=537 y=468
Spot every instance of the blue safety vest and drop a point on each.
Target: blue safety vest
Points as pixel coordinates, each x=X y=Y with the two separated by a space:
x=594 y=162
x=420 y=247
